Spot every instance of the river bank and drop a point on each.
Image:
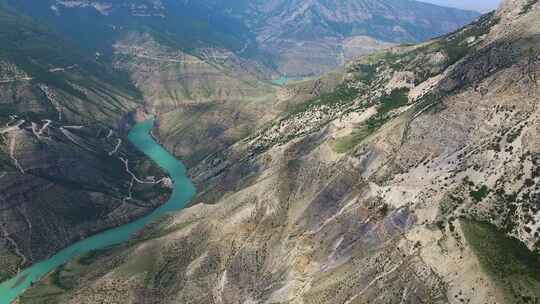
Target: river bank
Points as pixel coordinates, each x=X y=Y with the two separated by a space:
x=183 y=191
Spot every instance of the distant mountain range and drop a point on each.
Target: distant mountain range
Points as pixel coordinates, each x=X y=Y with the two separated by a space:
x=310 y=37
x=296 y=37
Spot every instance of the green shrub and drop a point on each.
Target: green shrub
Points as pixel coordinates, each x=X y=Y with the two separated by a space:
x=479 y=194
x=504 y=258
x=341 y=95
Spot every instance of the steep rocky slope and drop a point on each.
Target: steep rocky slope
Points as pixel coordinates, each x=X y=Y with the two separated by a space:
x=202 y=103
x=61 y=140
x=414 y=181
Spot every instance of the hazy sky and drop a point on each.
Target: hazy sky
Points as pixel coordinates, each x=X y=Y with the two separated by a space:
x=478 y=5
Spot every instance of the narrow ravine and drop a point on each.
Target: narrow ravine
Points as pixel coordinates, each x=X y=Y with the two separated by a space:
x=182 y=193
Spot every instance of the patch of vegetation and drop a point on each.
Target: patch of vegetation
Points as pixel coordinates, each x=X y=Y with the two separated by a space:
x=93 y=256
x=527 y=7
x=455 y=44
x=5 y=160
x=398 y=98
x=480 y=193
x=58 y=279
x=347 y=143
x=514 y=134
x=395 y=100
x=9 y=263
x=156 y=230
x=394 y=60
x=343 y=94
x=450 y=203
x=504 y=258
x=364 y=72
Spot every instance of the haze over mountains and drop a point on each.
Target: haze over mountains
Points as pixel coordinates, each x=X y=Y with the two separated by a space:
x=407 y=175
x=296 y=38
x=483 y=6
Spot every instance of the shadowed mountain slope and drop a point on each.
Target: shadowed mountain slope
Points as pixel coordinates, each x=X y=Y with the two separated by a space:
x=61 y=136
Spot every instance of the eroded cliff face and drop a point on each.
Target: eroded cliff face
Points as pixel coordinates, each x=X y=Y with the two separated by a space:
x=413 y=179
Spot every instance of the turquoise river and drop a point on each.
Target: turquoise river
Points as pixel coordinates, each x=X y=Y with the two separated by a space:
x=183 y=192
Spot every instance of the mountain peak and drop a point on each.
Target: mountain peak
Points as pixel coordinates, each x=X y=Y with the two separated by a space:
x=516 y=7
x=517 y=18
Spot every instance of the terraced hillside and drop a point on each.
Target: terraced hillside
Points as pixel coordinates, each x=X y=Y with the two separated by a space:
x=414 y=180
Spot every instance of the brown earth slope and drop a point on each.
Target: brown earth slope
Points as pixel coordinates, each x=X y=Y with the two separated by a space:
x=416 y=180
